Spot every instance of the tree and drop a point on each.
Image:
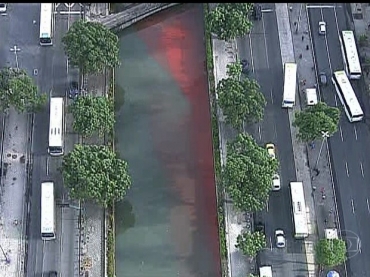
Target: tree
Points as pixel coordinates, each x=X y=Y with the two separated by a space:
x=248 y=173
x=331 y=252
x=17 y=89
x=91 y=46
x=234 y=70
x=96 y=173
x=230 y=20
x=316 y=119
x=240 y=100
x=251 y=243
x=92 y=114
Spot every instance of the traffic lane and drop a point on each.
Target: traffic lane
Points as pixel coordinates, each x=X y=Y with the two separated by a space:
x=24 y=34
x=60 y=71
x=332 y=36
x=35 y=245
x=282 y=216
x=261 y=68
x=340 y=13
x=5 y=44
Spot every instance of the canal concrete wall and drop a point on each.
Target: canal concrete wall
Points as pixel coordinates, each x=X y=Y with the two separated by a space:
x=119 y=21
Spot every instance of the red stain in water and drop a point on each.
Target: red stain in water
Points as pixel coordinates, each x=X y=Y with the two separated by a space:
x=177 y=44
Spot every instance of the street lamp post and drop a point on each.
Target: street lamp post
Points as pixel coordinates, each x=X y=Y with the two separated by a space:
x=15 y=49
x=324 y=135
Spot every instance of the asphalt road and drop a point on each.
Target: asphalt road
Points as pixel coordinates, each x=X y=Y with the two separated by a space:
x=262 y=49
x=52 y=79
x=349 y=147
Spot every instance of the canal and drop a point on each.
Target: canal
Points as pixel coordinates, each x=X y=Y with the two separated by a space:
x=167 y=225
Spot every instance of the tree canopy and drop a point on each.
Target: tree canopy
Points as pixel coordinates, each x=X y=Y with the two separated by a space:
x=230 y=20
x=91 y=46
x=331 y=252
x=96 y=173
x=240 y=100
x=234 y=70
x=316 y=119
x=248 y=173
x=92 y=114
x=18 y=89
x=251 y=243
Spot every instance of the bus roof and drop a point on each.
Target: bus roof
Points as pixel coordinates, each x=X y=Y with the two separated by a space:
x=299 y=209
x=348 y=92
x=47 y=207
x=56 y=121
x=45 y=20
x=351 y=51
x=290 y=80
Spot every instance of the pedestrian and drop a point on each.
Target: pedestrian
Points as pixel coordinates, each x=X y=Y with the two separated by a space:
x=302 y=38
x=304 y=82
x=295 y=23
x=300 y=56
x=291 y=8
x=368 y=27
x=307 y=47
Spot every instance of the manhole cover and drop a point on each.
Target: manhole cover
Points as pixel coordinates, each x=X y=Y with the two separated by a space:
x=358 y=16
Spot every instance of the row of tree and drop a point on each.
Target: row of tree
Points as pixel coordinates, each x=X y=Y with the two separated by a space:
x=248 y=172
x=90 y=171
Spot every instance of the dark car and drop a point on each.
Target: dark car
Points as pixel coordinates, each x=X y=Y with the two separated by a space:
x=322 y=78
x=245 y=66
x=53 y=274
x=257 y=12
x=73 y=91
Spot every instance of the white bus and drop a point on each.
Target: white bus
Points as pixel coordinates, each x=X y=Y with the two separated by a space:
x=299 y=210
x=290 y=83
x=47 y=211
x=56 y=127
x=350 y=55
x=46 y=24
x=347 y=96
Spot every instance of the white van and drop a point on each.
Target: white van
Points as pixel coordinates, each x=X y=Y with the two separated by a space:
x=265 y=271
x=311 y=96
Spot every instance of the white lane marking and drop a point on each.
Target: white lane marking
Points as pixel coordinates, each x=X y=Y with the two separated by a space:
x=275 y=132
x=272 y=98
x=67 y=63
x=264 y=36
x=251 y=50
x=359 y=245
x=69 y=13
x=341 y=132
x=259 y=132
x=47 y=166
x=354 y=128
x=347 y=169
x=368 y=206
x=69 y=5
x=336 y=100
x=326 y=44
x=267 y=10
x=320 y=7
x=270 y=243
x=362 y=170
x=353 y=206
x=267 y=206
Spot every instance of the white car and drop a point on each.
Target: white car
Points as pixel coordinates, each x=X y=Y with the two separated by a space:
x=275 y=182
x=322 y=28
x=3 y=7
x=280 y=238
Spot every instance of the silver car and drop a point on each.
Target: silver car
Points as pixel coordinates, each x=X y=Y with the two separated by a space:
x=322 y=28
x=280 y=238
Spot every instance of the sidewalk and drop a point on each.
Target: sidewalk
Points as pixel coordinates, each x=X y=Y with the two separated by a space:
x=359 y=20
x=93 y=251
x=322 y=184
x=13 y=183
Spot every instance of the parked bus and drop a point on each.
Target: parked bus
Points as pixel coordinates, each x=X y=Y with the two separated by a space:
x=56 y=127
x=47 y=211
x=46 y=24
x=290 y=83
x=350 y=55
x=347 y=96
x=299 y=210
